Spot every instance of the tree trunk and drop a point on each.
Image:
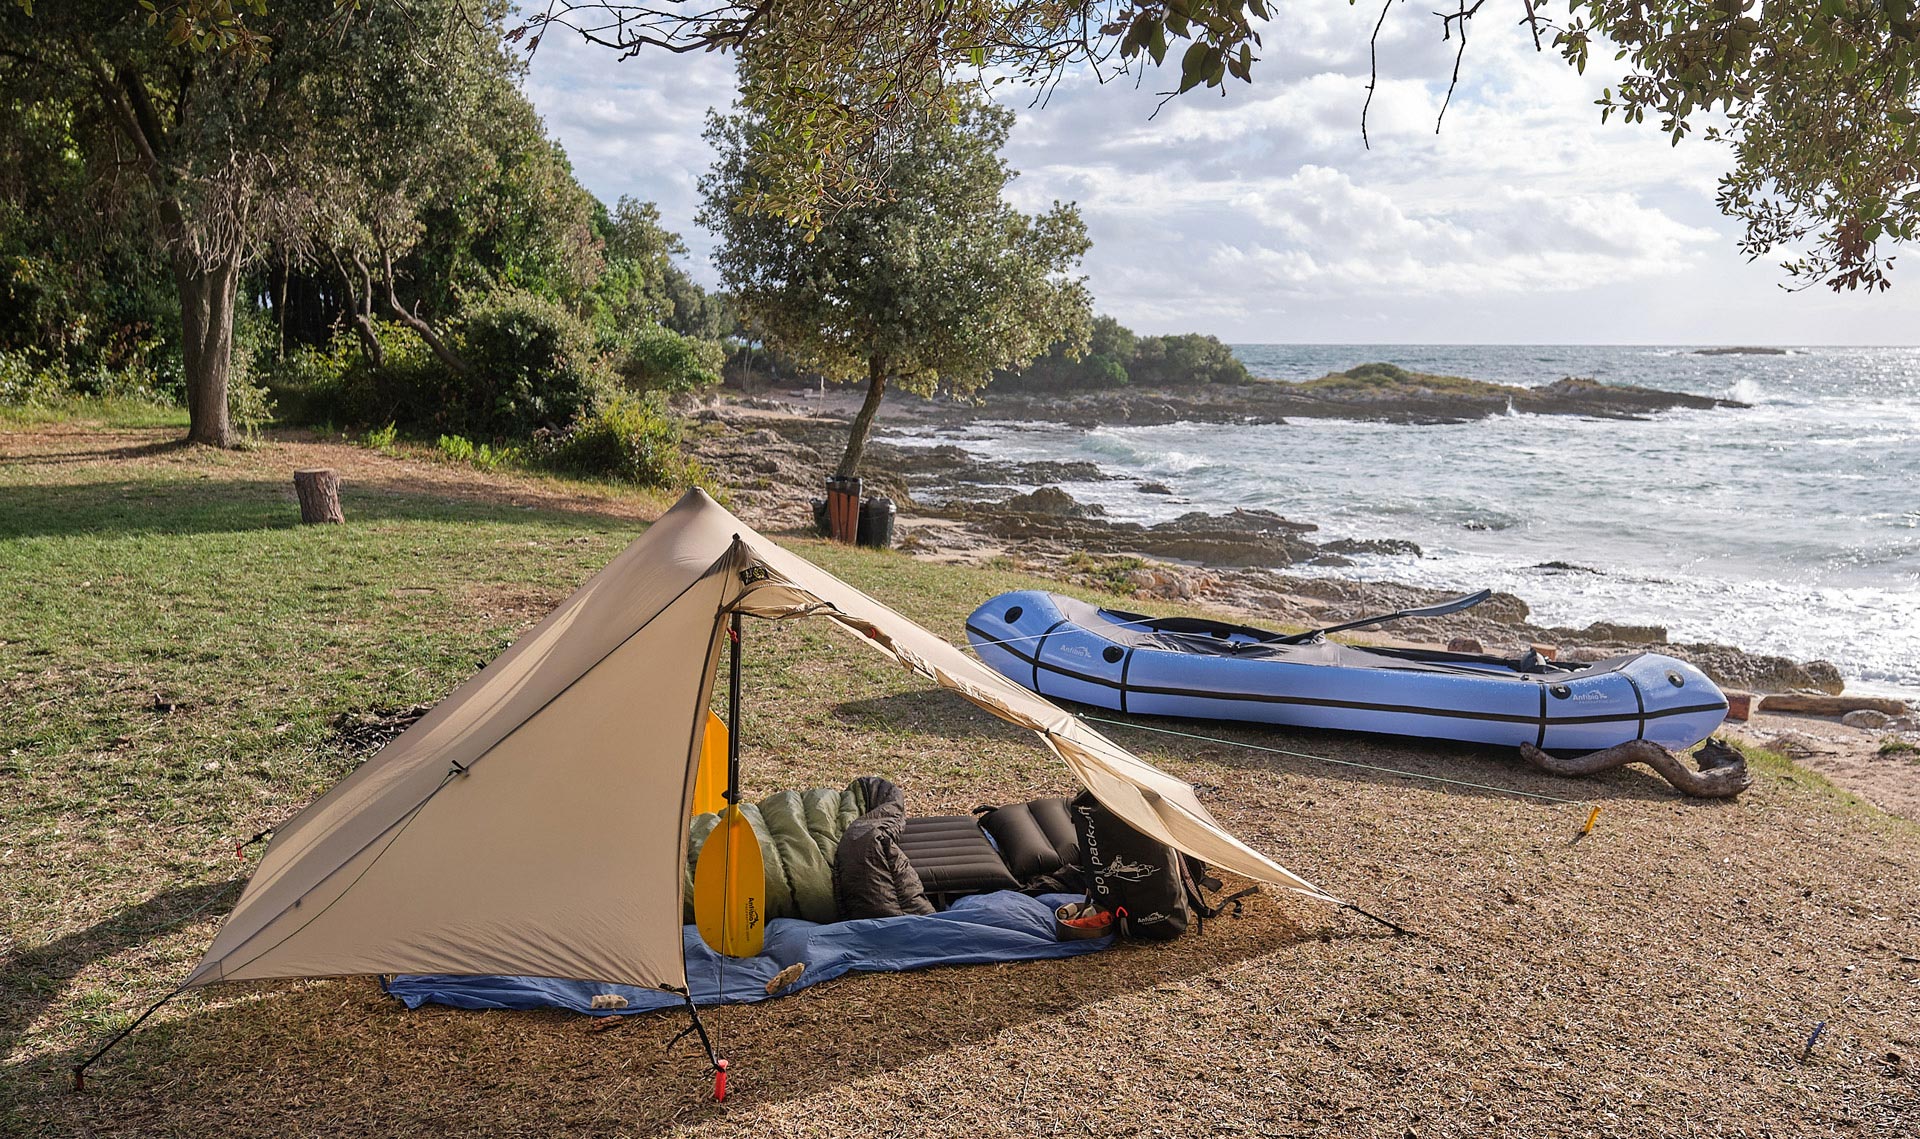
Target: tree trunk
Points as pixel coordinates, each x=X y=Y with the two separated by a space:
x=863 y=422
x=206 y=347
x=413 y=320
x=319 y=491
x=369 y=340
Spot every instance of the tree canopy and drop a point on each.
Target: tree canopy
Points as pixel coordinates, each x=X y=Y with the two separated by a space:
x=1819 y=103
x=311 y=124
x=301 y=166
x=938 y=284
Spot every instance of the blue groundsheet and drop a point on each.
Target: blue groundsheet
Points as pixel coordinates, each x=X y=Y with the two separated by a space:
x=985 y=928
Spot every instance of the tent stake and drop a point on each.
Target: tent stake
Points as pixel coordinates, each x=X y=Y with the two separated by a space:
x=80 y=1069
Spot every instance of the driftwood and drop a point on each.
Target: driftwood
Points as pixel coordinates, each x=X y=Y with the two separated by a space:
x=1722 y=775
x=1811 y=704
x=319 y=491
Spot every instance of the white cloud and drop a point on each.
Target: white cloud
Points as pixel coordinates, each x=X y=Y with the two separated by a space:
x=1261 y=216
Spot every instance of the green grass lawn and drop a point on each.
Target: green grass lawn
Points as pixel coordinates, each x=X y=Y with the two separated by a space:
x=175 y=650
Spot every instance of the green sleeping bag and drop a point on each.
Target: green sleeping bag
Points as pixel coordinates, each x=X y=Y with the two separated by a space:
x=799 y=833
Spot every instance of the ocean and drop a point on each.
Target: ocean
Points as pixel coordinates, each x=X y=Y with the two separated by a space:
x=1792 y=527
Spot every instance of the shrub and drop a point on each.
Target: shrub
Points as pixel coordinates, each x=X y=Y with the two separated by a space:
x=457 y=448
x=381 y=438
x=661 y=360
x=628 y=437
x=336 y=383
x=249 y=405
x=460 y=449
x=1188 y=358
x=34 y=377
x=25 y=377
x=532 y=365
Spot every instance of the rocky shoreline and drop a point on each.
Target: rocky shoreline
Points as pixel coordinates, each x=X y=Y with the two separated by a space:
x=959 y=508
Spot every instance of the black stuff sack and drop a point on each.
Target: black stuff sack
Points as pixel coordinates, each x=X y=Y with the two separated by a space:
x=1142 y=880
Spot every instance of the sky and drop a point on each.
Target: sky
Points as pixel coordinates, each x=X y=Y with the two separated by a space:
x=1261 y=217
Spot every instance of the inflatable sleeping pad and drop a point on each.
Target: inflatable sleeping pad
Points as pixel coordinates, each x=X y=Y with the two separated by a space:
x=1181 y=666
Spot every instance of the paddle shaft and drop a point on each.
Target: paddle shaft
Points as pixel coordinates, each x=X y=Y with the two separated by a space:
x=1440 y=610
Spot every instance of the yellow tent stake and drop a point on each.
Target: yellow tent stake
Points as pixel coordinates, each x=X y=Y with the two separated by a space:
x=1588 y=829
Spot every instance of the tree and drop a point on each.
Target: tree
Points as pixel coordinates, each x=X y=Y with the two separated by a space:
x=938 y=284
x=316 y=125
x=1103 y=363
x=1185 y=358
x=197 y=131
x=841 y=87
x=1818 y=101
x=79 y=283
x=642 y=285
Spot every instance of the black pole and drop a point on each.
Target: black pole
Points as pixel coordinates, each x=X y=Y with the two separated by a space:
x=733 y=713
x=80 y=1069
x=1394 y=926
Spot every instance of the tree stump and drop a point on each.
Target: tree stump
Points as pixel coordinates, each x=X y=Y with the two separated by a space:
x=319 y=491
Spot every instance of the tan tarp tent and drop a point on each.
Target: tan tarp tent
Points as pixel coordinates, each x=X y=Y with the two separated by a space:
x=535 y=822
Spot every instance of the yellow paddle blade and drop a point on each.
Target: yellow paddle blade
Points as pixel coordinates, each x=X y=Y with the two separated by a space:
x=730 y=888
x=710 y=778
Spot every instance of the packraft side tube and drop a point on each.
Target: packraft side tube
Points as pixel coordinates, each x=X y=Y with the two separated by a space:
x=1070 y=650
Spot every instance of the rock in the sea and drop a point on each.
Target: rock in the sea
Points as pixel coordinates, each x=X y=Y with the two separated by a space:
x=1398 y=546
x=1240 y=538
x=1052 y=502
x=1155 y=488
x=1866 y=718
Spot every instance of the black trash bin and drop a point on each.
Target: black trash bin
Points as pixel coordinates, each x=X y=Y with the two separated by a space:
x=876 y=522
